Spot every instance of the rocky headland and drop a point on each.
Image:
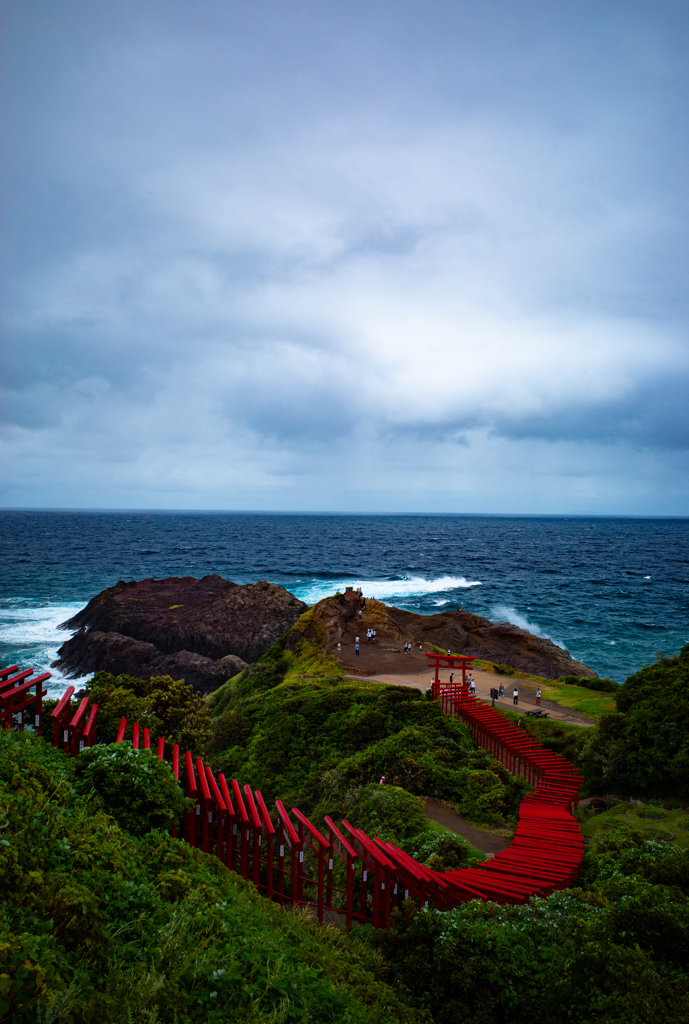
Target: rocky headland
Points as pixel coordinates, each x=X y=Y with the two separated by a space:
x=204 y=631
x=336 y=620
x=207 y=630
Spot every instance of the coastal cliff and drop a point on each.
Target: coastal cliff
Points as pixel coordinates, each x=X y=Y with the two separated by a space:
x=204 y=631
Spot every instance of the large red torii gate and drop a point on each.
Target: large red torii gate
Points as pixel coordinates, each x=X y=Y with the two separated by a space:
x=438 y=661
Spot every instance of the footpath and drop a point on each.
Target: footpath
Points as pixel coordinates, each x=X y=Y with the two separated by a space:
x=485 y=681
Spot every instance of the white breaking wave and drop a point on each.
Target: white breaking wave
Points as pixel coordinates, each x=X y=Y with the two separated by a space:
x=505 y=613
x=386 y=590
x=31 y=637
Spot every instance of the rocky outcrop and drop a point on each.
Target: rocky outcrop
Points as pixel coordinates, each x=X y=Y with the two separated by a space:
x=204 y=631
x=337 y=619
x=112 y=652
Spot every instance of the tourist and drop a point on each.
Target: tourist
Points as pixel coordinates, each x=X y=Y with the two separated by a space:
x=339 y=647
x=538 y=696
x=356 y=651
x=515 y=696
x=452 y=677
x=360 y=613
x=382 y=780
x=501 y=691
x=472 y=688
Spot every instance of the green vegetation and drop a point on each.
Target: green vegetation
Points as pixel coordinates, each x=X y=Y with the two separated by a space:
x=106 y=918
x=614 y=952
x=642 y=749
x=97 y=925
x=643 y=822
x=600 y=685
x=168 y=707
x=319 y=743
x=138 y=790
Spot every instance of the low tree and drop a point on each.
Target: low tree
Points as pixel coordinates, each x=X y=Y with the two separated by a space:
x=643 y=747
x=168 y=707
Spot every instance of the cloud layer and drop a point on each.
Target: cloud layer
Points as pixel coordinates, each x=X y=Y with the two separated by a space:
x=271 y=255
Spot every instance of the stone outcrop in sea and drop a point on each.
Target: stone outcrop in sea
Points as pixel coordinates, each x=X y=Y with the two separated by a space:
x=204 y=631
x=462 y=632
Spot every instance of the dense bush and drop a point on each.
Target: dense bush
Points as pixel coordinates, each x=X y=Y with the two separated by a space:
x=642 y=749
x=137 y=789
x=168 y=707
x=98 y=926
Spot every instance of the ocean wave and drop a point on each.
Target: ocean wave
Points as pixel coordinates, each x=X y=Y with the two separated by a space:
x=505 y=613
x=385 y=590
x=30 y=637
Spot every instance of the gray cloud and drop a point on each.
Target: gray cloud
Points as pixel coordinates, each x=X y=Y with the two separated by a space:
x=260 y=254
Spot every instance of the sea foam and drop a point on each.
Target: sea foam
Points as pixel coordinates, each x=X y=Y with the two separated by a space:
x=384 y=590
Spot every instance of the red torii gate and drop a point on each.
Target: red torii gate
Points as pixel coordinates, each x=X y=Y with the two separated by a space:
x=438 y=661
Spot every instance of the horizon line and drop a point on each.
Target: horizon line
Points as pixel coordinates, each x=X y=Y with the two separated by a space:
x=301 y=512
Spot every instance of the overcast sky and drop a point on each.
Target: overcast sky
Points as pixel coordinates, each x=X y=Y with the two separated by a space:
x=345 y=255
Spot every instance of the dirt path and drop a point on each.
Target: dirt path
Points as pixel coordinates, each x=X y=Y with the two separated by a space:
x=485 y=681
x=489 y=841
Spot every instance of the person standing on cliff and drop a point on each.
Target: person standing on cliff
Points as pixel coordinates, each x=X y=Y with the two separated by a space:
x=515 y=696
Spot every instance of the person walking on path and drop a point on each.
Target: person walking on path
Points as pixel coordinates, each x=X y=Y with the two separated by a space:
x=472 y=688
x=515 y=696
x=356 y=651
x=538 y=696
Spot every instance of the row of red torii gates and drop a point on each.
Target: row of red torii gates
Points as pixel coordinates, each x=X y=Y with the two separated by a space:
x=292 y=861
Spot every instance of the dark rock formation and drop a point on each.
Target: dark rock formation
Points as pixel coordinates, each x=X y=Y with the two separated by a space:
x=204 y=630
x=336 y=620
x=112 y=652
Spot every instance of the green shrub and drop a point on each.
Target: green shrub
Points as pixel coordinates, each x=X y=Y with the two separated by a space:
x=599 y=685
x=137 y=789
x=440 y=851
x=385 y=811
x=642 y=749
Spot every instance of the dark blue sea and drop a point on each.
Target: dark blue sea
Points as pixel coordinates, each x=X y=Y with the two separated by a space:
x=614 y=591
